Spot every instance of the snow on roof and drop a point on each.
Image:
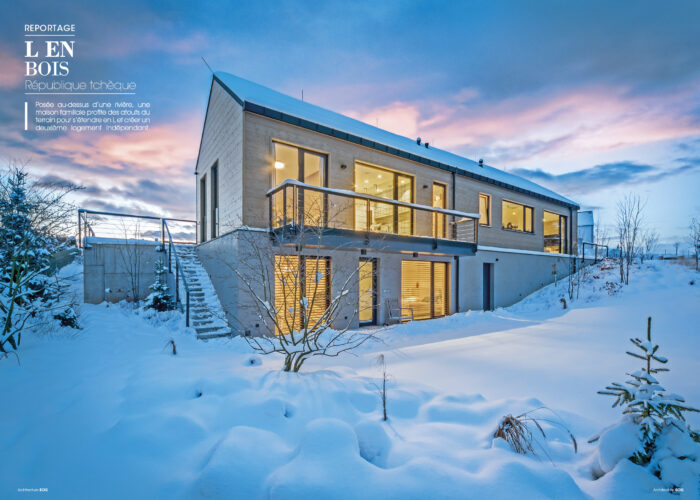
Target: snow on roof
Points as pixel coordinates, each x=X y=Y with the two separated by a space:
x=254 y=93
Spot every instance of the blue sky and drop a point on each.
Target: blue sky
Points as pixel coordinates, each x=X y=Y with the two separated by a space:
x=593 y=99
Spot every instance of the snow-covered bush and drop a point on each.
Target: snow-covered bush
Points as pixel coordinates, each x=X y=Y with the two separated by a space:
x=652 y=432
x=67 y=317
x=31 y=218
x=160 y=298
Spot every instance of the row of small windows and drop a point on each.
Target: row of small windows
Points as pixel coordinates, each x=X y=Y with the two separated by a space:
x=519 y=217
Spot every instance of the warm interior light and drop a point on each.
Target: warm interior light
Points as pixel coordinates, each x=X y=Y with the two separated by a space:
x=279 y=165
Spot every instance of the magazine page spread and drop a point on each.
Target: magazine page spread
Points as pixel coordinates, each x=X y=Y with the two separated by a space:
x=300 y=249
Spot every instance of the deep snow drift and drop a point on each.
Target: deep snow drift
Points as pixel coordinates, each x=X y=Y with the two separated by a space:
x=109 y=412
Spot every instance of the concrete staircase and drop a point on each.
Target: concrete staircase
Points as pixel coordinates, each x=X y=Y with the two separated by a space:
x=206 y=314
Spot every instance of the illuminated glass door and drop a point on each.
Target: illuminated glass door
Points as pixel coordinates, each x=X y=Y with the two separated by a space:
x=367 y=307
x=308 y=167
x=381 y=217
x=439 y=201
x=425 y=288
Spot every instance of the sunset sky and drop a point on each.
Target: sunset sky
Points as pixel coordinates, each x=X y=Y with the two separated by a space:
x=594 y=100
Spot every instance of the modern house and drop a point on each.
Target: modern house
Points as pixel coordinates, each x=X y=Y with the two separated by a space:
x=433 y=232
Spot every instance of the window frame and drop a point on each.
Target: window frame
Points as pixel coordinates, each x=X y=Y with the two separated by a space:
x=300 y=174
x=447 y=299
x=302 y=263
x=445 y=206
x=203 y=208
x=525 y=209
x=301 y=150
x=214 y=188
x=489 y=210
x=563 y=238
x=395 y=195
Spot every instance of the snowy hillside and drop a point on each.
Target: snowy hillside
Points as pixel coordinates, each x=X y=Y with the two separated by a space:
x=110 y=412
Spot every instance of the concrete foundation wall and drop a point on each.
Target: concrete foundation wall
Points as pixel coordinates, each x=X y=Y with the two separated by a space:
x=249 y=252
x=116 y=270
x=515 y=275
x=220 y=258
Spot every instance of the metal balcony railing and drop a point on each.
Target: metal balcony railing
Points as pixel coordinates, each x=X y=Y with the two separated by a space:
x=295 y=204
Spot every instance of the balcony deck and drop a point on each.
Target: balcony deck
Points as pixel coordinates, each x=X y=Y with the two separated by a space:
x=311 y=215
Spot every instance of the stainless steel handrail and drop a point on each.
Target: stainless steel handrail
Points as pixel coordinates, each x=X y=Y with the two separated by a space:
x=178 y=266
x=457 y=223
x=595 y=246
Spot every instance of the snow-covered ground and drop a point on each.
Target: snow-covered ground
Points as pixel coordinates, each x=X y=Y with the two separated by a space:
x=109 y=412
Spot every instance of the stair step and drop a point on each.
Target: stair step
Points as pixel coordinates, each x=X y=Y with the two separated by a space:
x=210 y=329
x=208 y=319
x=206 y=336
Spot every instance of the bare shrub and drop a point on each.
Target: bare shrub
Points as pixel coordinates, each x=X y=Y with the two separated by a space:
x=694 y=238
x=382 y=386
x=305 y=309
x=517 y=431
x=650 y=240
x=629 y=221
x=171 y=344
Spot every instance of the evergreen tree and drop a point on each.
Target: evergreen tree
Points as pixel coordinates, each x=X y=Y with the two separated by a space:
x=646 y=401
x=23 y=250
x=25 y=256
x=160 y=298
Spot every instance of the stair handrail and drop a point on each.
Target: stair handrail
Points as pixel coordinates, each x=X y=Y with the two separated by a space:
x=178 y=266
x=595 y=248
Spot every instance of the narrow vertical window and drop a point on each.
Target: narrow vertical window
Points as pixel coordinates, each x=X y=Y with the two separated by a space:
x=554 y=232
x=484 y=209
x=439 y=201
x=215 y=200
x=203 y=209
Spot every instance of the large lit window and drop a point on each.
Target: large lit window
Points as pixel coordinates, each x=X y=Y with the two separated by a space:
x=425 y=288
x=484 y=209
x=554 y=233
x=383 y=217
x=302 y=291
x=516 y=217
x=308 y=167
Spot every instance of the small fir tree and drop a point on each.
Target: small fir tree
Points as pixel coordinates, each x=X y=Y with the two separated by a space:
x=646 y=401
x=160 y=298
x=24 y=260
x=67 y=318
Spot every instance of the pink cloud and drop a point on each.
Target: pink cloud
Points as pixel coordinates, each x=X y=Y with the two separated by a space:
x=157 y=151
x=12 y=74
x=398 y=117
x=583 y=120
